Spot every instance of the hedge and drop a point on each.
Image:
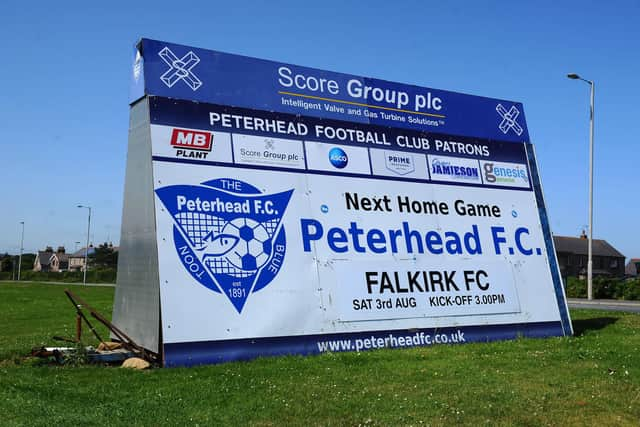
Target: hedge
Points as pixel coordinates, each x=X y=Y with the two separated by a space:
x=106 y=275
x=604 y=288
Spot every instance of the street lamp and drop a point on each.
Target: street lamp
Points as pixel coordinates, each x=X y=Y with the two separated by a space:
x=591 y=119
x=21 y=249
x=86 y=249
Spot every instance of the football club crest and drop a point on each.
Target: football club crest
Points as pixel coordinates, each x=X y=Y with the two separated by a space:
x=228 y=234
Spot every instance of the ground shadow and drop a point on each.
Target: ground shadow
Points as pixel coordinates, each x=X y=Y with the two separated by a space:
x=581 y=326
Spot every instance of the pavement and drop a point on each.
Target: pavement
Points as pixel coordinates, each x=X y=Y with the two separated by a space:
x=60 y=283
x=605 y=304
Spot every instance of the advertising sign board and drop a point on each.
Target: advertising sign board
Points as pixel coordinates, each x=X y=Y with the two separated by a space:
x=279 y=228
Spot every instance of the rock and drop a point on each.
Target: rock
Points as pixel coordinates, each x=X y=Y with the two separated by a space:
x=109 y=345
x=135 y=363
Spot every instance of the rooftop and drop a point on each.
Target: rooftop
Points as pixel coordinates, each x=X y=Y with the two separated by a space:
x=580 y=246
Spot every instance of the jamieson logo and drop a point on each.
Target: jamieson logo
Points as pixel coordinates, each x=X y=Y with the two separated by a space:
x=228 y=235
x=447 y=168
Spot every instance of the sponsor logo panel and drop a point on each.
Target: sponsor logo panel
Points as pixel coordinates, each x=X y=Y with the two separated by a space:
x=454 y=169
x=505 y=174
x=191 y=139
x=262 y=150
x=337 y=158
x=184 y=143
x=399 y=164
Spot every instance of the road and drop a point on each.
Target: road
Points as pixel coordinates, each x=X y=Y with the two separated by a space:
x=605 y=305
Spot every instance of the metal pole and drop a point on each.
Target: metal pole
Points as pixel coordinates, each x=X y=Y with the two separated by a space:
x=590 y=237
x=86 y=251
x=590 y=262
x=21 y=249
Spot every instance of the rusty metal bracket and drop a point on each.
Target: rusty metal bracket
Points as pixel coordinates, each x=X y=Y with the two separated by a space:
x=126 y=341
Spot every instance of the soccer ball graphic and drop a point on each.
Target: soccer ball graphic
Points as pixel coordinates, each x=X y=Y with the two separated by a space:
x=254 y=245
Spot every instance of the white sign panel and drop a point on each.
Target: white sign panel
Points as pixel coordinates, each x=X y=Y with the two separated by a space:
x=309 y=240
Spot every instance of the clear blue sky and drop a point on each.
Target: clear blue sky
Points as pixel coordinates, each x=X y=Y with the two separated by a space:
x=65 y=73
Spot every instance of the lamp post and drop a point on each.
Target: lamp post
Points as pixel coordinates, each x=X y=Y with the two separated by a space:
x=591 y=119
x=86 y=249
x=21 y=249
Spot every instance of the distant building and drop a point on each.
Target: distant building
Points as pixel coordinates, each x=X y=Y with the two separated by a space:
x=573 y=253
x=633 y=267
x=48 y=260
x=76 y=259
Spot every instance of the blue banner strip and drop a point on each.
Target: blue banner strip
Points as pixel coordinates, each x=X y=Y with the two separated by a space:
x=548 y=240
x=193 y=74
x=207 y=352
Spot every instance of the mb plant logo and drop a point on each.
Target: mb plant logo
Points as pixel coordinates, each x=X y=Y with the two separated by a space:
x=180 y=69
x=228 y=235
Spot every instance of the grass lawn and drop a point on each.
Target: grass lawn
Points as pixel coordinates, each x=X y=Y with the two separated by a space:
x=590 y=379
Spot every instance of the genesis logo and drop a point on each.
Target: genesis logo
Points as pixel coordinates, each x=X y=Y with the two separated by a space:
x=338 y=157
x=228 y=235
x=505 y=173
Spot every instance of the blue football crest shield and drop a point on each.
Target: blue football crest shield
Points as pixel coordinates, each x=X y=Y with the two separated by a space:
x=228 y=235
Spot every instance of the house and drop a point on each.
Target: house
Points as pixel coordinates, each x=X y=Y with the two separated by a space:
x=573 y=253
x=48 y=260
x=76 y=259
x=633 y=267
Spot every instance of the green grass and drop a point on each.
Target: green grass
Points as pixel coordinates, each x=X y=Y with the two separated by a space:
x=590 y=379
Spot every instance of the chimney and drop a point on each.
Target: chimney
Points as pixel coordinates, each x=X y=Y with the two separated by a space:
x=584 y=234
x=61 y=249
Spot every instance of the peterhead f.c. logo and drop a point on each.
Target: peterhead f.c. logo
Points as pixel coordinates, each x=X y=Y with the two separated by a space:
x=228 y=235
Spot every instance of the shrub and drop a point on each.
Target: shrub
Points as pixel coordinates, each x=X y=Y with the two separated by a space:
x=576 y=288
x=631 y=289
x=604 y=288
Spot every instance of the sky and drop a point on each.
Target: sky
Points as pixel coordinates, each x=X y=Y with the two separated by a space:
x=65 y=68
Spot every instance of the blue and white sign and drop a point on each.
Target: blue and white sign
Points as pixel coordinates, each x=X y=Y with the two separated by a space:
x=299 y=211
